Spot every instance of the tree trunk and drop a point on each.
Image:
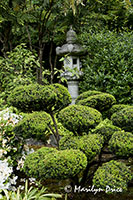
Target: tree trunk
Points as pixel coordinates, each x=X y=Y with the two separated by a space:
x=40 y=69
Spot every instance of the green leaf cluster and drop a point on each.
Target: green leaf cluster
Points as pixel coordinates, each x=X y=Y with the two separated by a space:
x=79 y=119
x=49 y=163
x=28 y=194
x=19 y=67
x=113 y=174
x=121 y=144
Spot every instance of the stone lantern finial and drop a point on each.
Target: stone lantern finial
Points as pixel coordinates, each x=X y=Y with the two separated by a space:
x=71 y=36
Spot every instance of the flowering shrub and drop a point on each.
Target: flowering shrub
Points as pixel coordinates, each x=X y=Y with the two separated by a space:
x=7 y=179
x=12 y=149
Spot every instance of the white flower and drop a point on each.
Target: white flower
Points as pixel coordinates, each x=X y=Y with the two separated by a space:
x=5 y=173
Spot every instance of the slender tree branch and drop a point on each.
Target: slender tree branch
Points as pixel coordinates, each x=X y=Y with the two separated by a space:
x=56 y=128
x=29 y=37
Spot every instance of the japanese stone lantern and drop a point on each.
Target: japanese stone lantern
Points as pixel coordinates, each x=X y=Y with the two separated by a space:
x=71 y=51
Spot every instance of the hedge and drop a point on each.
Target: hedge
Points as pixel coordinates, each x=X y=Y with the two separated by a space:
x=108 y=64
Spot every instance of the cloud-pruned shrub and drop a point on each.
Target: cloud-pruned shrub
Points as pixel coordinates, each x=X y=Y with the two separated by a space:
x=79 y=119
x=101 y=102
x=90 y=144
x=85 y=95
x=35 y=125
x=124 y=119
x=49 y=163
x=116 y=108
x=35 y=97
x=106 y=129
x=113 y=174
x=121 y=144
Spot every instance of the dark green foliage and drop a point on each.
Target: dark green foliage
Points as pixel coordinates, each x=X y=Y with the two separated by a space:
x=35 y=97
x=79 y=119
x=100 y=102
x=116 y=108
x=105 y=128
x=56 y=164
x=108 y=66
x=121 y=143
x=85 y=95
x=124 y=119
x=18 y=68
x=34 y=125
x=90 y=144
x=113 y=174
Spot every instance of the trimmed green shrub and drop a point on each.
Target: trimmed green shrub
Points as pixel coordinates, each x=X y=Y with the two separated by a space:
x=116 y=108
x=79 y=119
x=113 y=174
x=31 y=166
x=44 y=164
x=85 y=95
x=34 y=125
x=35 y=97
x=108 y=65
x=105 y=128
x=90 y=144
x=121 y=144
x=100 y=102
x=124 y=119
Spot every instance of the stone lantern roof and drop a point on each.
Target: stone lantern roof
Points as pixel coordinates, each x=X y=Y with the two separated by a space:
x=71 y=47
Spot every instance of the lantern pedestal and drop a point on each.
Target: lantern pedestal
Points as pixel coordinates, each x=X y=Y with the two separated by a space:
x=73 y=89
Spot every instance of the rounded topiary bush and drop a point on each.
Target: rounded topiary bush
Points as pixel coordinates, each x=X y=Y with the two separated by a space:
x=105 y=128
x=44 y=164
x=31 y=163
x=35 y=97
x=34 y=125
x=121 y=144
x=124 y=119
x=79 y=119
x=85 y=95
x=112 y=174
x=116 y=108
x=101 y=102
x=90 y=144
